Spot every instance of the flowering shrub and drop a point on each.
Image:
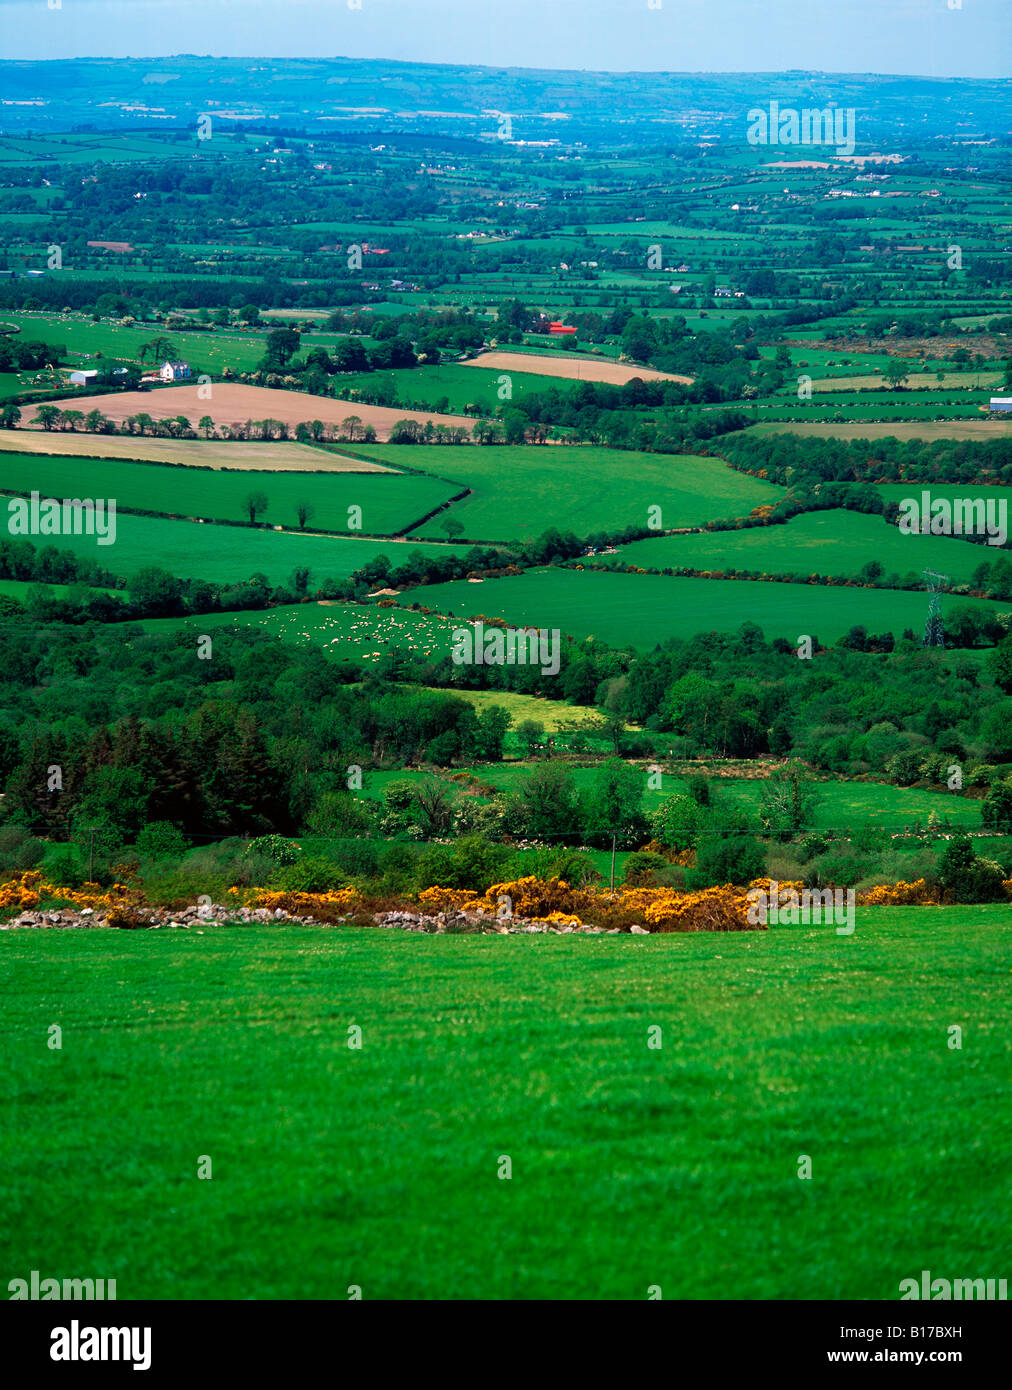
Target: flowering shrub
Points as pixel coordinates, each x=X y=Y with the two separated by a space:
x=274 y=847
x=902 y=894
x=32 y=888
x=551 y=901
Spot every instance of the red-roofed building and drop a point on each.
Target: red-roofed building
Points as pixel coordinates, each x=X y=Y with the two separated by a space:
x=560 y=328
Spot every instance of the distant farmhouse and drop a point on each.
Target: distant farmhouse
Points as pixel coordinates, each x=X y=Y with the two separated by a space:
x=174 y=371
x=1001 y=405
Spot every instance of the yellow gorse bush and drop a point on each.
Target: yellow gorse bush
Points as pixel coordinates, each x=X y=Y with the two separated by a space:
x=551 y=901
x=902 y=894
x=32 y=887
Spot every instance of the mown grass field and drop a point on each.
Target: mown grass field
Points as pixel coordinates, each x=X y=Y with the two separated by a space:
x=388 y=501
x=631 y=1167
x=829 y=543
x=640 y=610
x=230 y=554
x=517 y=492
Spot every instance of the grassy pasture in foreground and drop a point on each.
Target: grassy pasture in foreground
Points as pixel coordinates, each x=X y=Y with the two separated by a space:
x=630 y=1166
x=641 y=610
x=388 y=501
x=517 y=492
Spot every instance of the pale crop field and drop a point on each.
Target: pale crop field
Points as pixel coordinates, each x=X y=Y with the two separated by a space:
x=571 y=368
x=233 y=404
x=896 y=429
x=275 y=456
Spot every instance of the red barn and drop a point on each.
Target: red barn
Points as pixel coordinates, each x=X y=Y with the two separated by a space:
x=560 y=328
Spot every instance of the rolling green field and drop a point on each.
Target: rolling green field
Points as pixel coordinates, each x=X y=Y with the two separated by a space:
x=831 y=543
x=461 y=386
x=84 y=338
x=20 y=588
x=841 y=806
x=640 y=610
x=230 y=554
x=345 y=631
x=876 y=409
x=389 y=502
x=630 y=1166
x=519 y=491
x=895 y=492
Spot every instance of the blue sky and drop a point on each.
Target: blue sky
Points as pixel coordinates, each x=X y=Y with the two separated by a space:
x=945 y=38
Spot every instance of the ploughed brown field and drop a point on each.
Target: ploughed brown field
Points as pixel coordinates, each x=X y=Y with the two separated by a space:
x=233 y=404
x=572 y=368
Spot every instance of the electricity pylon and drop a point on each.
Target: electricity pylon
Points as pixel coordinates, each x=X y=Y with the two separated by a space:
x=934 y=631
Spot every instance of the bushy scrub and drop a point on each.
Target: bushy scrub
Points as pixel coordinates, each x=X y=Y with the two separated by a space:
x=63 y=866
x=726 y=859
x=275 y=848
x=19 y=850
x=308 y=875
x=161 y=840
x=471 y=863
x=788 y=801
x=996 y=812
x=967 y=877
x=838 y=869
x=397 y=867
x=570 y=865
x=341 y=814
x=678 y=821
x=813 y=844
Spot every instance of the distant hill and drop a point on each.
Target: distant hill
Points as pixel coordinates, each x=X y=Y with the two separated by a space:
x=354 y=94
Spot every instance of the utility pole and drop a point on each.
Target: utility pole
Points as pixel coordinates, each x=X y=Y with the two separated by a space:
x=613 y=866
x=91 y=855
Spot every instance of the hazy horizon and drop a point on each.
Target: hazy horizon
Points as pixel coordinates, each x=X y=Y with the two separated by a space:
x=890 y=38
